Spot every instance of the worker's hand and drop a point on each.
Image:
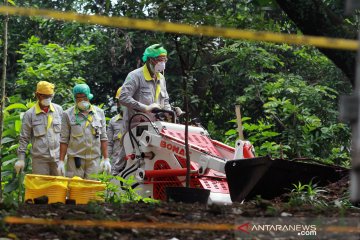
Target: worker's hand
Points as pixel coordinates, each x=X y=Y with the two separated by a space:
x=178 y=111
x=61 y=168
x=151 y=107
x=19 y=166
x=105 y=166
x=168 y=117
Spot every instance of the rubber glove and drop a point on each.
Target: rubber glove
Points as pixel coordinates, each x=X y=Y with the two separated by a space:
x=61 y=168
x=105 y=166
x=19 y=165
x=178 y=111
x=151 y=107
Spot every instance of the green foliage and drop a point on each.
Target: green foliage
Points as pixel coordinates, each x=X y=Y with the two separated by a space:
x=13 y=192
x=344 y=203
x=9 y=202
x=306 y=194
x=63 y=66
x=10 y=143
x=124 y=193
x=292 y=113
x=288 y=93
x=310 y=194
x=11 y=2
x=95 y=208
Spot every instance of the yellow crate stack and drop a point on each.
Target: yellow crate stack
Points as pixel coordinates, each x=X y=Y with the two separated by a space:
x=83 y=191
x=57 y=188
x=54 y=187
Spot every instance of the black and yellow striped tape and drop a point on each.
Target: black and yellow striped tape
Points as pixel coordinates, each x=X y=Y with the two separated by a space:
x=155 y=225
x=162 y=26
x=120 y=224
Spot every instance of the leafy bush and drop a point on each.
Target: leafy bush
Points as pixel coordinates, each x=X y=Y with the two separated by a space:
x=121 y=194
x=289 y=111
x=306 y=194
x=12 y=125
x=63 y=66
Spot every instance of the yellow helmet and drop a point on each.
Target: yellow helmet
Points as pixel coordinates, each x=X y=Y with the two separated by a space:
x=44 y=87
x=117 y=96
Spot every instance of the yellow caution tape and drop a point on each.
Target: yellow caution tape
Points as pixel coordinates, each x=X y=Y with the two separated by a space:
x=154 y=225
x=151 y=25
x=121 y=224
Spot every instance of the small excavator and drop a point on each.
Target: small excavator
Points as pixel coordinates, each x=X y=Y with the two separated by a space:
x=156 y=157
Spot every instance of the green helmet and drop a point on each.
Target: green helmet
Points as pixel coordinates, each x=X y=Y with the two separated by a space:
x=82 y=88
x=154 y=51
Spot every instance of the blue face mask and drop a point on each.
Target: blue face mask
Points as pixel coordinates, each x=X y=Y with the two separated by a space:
x=83 y=105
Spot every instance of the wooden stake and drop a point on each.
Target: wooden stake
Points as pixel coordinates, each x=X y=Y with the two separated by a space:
x=239 y=123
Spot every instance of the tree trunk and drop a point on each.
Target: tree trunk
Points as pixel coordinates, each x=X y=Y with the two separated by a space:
x=313 y=17
x=3 y=80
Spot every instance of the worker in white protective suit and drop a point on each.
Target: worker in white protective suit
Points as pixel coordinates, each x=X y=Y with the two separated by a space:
x=41 y=127
x=115 y=132
x=144 y=88
x=83 y=137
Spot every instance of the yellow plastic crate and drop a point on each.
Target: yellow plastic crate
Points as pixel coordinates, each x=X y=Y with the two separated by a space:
x=83 y=191
x=54 y=187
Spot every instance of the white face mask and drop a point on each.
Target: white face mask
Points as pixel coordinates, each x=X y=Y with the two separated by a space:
x=121 y=109
x=159 y=67
x=46 y=102
x=83 y=105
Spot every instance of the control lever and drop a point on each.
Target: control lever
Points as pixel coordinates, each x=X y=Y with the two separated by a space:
x=159 y=113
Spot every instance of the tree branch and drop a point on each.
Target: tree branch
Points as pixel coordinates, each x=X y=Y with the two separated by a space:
x=313 y=17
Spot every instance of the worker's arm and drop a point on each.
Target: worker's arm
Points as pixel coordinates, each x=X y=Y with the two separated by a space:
x=165 y=95
x=64 y=135
x=105 y=165
x=64 y=142
x=104 y=148
x=103 y=136
x=63 y=150
x=128 y=89
x=25 y=135
x=61 y=163
x=110 y=135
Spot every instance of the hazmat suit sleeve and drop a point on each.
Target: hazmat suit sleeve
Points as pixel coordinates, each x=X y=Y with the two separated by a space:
x=128 y=90
x=165 y=95
x=25 y=135
x=110 y=134
x=103 y=135
x=61 y=111
x=65 y=128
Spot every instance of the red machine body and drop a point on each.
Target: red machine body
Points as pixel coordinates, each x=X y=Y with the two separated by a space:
x=158 y=159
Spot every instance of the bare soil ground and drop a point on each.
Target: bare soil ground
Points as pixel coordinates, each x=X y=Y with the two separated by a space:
x=165 y=212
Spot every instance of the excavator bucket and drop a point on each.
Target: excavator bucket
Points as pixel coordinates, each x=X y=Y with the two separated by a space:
x=270 y=178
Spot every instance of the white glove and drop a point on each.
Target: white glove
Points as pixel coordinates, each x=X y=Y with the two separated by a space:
x=61 y=168
x=151 y=107
x=19 y=166
x=178 y=111
x=105 y=166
